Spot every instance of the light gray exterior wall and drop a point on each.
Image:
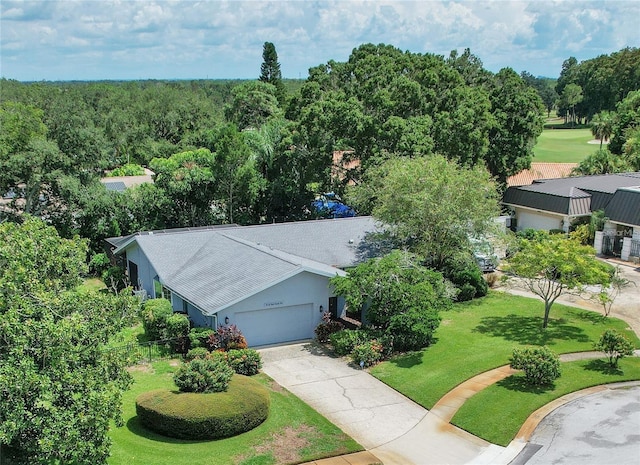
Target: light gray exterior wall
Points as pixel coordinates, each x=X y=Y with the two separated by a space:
x=530 y=219
x=300 y=289
x=146 y=273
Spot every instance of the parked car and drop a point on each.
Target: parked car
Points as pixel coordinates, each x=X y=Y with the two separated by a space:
x=487 y=264
x=330 y=205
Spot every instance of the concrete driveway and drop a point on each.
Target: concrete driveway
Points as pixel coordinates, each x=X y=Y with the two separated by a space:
x=394 y=428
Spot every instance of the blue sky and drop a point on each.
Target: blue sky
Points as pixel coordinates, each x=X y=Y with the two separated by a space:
x=218 y=39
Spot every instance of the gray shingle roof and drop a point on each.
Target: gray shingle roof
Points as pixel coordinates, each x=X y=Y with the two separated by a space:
x=214 y=268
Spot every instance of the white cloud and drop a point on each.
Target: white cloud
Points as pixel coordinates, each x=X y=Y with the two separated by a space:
x=164 y=38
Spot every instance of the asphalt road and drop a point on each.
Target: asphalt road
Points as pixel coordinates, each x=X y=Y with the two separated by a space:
x=599 y=429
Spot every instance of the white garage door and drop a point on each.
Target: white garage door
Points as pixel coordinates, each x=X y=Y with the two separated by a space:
x=274 y=325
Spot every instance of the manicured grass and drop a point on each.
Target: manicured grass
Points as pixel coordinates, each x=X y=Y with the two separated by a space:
x=92 y=284
x=480 y=335
x=564 y=146
x=497 y=413
x=292 y=433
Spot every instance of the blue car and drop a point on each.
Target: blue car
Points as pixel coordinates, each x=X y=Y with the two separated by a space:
x=329 y=205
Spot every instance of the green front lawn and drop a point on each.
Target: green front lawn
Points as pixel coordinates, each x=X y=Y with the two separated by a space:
x=497 y=413
x=480 y=335
x=564 y=146
x=293 y=433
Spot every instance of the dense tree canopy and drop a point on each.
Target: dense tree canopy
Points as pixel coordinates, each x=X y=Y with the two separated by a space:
x=604 y=80
x=381 y=104
x=432 y=205
x=60 y=387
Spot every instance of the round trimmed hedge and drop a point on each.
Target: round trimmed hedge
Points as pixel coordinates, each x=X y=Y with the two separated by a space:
x=191 y=415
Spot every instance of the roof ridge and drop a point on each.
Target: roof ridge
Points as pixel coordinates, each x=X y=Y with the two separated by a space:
x=264 y=249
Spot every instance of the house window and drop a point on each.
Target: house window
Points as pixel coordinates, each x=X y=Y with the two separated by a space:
x=133 y=274
x=160 y=291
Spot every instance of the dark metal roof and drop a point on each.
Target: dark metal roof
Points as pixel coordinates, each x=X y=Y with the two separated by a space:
x=574 y=196
x=624 y=207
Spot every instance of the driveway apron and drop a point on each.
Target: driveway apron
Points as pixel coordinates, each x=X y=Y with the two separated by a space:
x=394 y=428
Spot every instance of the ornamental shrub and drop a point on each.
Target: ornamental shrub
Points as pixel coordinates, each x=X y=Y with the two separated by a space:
x=465 y=274
x=615 y=345
x=344 y=341
x=367 y=354
x=244 y=361
x=198 y=337
x=540 y=365
x=327 y=328
x=198 y=352
x=188 y=415
x=155 y=314
x=203 y=375
x=413 y=329
x=226 y=338
x=177 y=327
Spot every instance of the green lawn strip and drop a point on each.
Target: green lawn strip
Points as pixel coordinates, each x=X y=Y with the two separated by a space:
x=564 y=146
x=92 y=284
x=497 y=413
x=132 y=444
x=480 y=335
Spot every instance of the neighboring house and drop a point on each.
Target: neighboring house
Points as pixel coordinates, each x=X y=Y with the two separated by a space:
x=557 y=203
x=621 y=234
x=121 y=183
x=272 y=281
x=541 y=171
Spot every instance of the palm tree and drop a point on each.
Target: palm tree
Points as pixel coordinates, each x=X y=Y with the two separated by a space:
x=602 y=126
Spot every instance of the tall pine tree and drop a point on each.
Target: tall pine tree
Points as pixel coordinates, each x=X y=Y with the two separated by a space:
x=270 y=70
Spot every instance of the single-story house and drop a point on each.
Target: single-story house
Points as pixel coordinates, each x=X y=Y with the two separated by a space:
x=272 y=280
x=549 y=204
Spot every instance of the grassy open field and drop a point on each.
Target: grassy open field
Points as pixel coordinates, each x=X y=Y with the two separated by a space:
x=564 y=145
x=292 y=433
x=480 y=335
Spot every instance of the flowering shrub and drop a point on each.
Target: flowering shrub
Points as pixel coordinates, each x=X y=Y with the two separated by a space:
x=540 y=364
x=203 y=375
x=367 y=354
x=244 y=361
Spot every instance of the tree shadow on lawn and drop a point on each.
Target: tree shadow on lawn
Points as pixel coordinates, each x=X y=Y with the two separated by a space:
x=519 y=384
x=603 y=366
x=407 y=360
x=528 y=329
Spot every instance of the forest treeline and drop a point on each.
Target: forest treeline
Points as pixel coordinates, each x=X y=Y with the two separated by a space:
x=257 y=151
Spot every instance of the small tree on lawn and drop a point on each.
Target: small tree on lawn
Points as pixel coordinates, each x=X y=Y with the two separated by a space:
x=608 y=293
x=615 y=345
x=552 y=265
